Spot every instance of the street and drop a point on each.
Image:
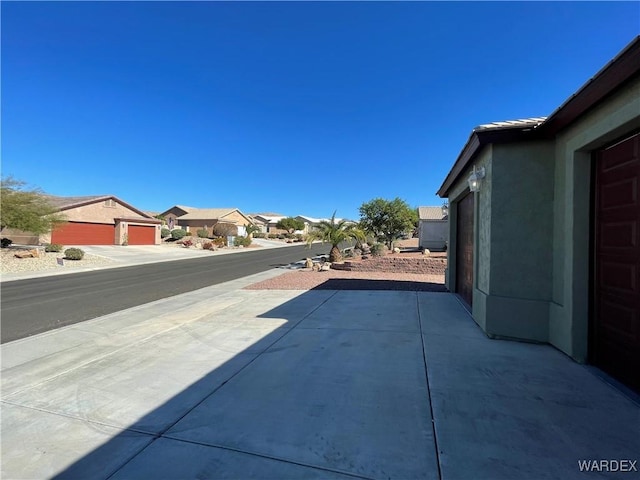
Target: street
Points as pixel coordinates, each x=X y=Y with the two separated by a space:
x=41 y=304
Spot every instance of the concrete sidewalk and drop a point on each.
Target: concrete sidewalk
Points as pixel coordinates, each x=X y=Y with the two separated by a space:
x=231 y=383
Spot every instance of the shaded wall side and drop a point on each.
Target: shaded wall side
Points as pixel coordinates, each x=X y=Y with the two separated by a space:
x=619 y=115
x=482 y=234
x=522 y=220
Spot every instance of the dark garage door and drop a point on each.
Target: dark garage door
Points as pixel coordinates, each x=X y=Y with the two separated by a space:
x=615 y=330
x=464 y=248
x=141 y=235
x=76 y=233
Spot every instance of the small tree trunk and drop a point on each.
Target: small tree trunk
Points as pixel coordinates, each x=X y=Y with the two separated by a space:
x=334 y=254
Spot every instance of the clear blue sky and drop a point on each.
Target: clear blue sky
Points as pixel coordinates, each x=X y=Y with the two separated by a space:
x=295 y=107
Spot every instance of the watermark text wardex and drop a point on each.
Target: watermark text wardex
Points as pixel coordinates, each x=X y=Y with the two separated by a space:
x=608 y=465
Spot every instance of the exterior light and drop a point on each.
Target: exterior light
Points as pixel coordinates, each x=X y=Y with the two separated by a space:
x=445 y=209
x=474 y=179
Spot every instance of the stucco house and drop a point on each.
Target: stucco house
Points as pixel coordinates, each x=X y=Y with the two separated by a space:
x=268 y=222
x=194 y=219
x=545 y=224
x=433 y=228
x=101 y=220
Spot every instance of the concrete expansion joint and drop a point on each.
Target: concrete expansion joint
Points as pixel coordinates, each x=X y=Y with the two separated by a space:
x=269 y=457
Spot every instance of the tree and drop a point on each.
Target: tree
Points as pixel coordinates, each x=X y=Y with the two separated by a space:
x=25 y=209
x=290 y=224
x=251 y=229
x=387 y=219
x=223 y=229
x=335 y=233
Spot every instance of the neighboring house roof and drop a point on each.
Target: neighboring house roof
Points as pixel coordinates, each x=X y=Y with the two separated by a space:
x=67 y=203
x=209 y=214
x=269 y=219
x=183 y=208
x=624 y=67
x=431 y=213
x=313 y=220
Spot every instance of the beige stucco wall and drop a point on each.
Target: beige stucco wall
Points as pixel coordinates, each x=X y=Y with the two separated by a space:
x=433 y=234
x=569 y=309
x=99 y=213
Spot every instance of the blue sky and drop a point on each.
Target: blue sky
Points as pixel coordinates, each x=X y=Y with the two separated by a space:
x=301 y=108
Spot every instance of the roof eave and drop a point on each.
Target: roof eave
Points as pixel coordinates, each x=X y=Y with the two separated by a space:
x=622 y=68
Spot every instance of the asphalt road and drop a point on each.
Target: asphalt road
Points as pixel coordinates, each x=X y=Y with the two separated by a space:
x=41 y=304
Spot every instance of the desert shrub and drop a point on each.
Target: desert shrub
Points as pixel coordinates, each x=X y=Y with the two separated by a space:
x=53 y=247
x=207 y=246
x=299 y=237
x=165 y=232
x=242 y=241
x=273 y=235
x=187 y=243
x=5 y=242
x=73 y=254
x=203 y=233
x=259 y=235
x=378 y=250
x=225 y=229
x=178 y=234
x=282 y=236
x=220 y=241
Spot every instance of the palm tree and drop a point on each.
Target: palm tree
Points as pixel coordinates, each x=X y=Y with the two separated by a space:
x=335 y=233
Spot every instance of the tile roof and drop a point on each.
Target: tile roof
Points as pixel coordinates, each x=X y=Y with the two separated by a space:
x=431 y=213
x=68 y=202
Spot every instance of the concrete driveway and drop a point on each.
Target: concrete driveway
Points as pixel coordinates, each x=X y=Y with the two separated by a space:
x=231 y=383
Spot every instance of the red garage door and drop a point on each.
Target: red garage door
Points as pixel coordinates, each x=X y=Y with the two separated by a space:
x=142 y=235
x=76 y=233
x=464 y=249
x=616 y=314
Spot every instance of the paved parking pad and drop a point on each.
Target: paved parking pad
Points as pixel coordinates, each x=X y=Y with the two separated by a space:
x=231 y=383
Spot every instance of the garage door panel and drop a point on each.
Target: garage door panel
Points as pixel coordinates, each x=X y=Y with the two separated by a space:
x=77 y=233
x=616 y=302
x=142 y=235
x=464 y=248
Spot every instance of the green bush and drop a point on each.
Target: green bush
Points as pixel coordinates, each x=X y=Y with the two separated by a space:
x=272 y=235
x=53 y=247
x=259 y=235
x=178 y=234
x=378 y=250
x=73 y=254
x=203 y=233
x=242 y=241
x=5 y=242
x=165 y=232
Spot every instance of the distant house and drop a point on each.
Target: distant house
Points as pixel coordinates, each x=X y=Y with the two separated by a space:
x=193 y=219
x=96 y=220
x=310 y=223
x=268 y=222
x=544 y=241
x=433 y=228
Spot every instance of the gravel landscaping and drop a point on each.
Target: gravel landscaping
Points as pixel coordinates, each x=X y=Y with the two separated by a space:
x=46 y=261
x=305 y=279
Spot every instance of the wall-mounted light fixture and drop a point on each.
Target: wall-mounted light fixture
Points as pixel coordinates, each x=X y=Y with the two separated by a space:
x=445 y=209
x=474 y=179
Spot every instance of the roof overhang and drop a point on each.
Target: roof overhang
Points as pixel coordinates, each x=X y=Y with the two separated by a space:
x=623 y=68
